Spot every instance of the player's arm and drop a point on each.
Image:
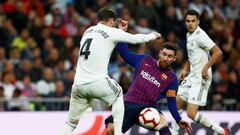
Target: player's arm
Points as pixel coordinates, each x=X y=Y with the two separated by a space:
x=172 y=106
x=205 y=42
x=171 y=98
x=184 y=71
x=123 y=36
x=215 y=54
x=129 y=57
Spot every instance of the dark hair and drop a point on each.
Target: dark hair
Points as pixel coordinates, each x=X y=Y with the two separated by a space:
x=192 y=12
x=105 y=13
x=171 y=46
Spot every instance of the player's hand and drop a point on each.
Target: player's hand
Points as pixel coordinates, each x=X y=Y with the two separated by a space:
x=205 y=73
x=185 y=126
x=158 y=35
x=122 y=24
x=182 y=75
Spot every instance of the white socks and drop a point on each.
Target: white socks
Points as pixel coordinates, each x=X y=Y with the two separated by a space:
x=118 y=113
x=199 y=118
x=67 y=129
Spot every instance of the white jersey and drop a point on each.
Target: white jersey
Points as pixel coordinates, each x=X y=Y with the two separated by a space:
x=198 y=47
x=96 y=48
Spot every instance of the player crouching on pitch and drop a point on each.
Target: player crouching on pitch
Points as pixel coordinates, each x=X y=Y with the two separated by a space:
x=153 y=80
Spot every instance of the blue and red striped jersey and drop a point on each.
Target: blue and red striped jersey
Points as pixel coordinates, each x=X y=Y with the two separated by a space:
x=151 y=82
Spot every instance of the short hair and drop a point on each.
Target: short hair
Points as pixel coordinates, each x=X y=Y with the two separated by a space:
x=170 y=46
x=105 y=13
x=192 y=12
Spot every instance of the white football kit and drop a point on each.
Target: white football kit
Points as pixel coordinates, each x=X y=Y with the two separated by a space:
x=91 y=78
x=96 y=48
x=194 y=88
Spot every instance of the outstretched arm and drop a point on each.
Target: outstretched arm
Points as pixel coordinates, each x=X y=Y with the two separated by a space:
x=122 y=36
x=129 y=57
x=172 y=106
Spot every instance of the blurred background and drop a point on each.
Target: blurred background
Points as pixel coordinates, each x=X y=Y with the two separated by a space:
x=39 y=47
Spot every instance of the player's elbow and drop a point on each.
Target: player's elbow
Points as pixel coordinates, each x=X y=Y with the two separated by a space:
x=219 y=52
x=216 y=51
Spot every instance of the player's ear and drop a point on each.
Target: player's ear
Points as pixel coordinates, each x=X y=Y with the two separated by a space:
x=175 y=58
x=111 y=22
x=160 y=52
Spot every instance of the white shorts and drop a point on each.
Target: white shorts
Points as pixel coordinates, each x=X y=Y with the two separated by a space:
x=194 y=90
x=81 y=102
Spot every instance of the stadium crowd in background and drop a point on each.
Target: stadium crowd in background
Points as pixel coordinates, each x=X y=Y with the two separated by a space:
x=39 y=46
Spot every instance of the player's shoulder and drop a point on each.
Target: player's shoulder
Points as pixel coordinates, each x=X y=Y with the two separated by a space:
x=172 y=73
x=201 y=32
x=108 y=28
x=147 y=58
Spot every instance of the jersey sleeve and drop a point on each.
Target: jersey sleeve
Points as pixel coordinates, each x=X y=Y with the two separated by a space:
x=122 y=36
x=129 y=57
x=172 y=106
x=205 y=41
x=171 y=99
x=174 y=83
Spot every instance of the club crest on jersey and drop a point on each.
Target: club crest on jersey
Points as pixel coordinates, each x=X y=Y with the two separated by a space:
x=164 y=76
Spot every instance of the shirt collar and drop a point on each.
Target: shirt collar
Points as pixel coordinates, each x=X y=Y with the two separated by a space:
x=197 y=29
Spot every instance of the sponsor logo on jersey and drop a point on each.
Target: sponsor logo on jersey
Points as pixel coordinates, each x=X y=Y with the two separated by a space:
x=150 y=78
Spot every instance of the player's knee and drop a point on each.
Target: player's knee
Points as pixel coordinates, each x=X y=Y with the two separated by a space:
x=110 y=129
x=191 y=114
x=163 y=120
x=163 y=123
x=180 y=102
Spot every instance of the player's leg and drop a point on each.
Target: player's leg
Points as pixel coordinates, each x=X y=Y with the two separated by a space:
x=109 y=125
x=118 y=112
x=195 y=115
x=180 y=104
x=79 y=107
x=131 y=114
x=110 y=129
x=198 y=97
x=162 y=128
x=113 y=96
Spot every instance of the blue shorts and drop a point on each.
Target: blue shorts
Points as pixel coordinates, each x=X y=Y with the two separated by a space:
x=131 y=114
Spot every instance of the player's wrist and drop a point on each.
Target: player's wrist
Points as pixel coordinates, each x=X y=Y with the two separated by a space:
x=179 y=121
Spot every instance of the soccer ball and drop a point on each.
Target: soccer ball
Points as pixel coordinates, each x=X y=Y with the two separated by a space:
x=149 y=118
